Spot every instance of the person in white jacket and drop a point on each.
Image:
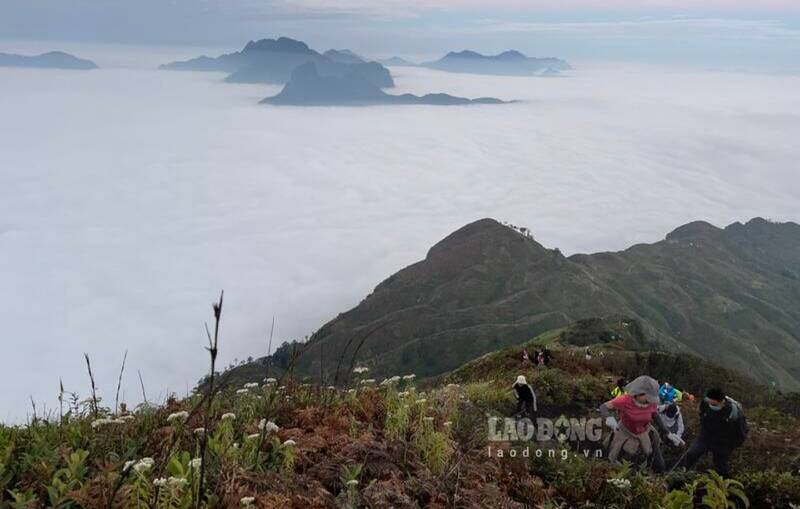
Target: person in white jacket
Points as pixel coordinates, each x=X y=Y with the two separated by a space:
x=672 y=419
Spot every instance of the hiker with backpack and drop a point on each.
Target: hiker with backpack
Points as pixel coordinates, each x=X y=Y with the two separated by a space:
x=619 y=389
x=669 y=393
x=526 y=398
x=637 y=410
x=723 y=428
x=672 y=420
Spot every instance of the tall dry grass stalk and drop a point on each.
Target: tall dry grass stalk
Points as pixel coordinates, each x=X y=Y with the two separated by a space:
x=213 y=350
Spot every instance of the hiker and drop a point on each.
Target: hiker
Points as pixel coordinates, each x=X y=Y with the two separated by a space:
x=588 y=354
x=637 y=409
x=525 y=355
x=669 y=394
x=672 y=419
x=535 y=358
x=526 y=398
x=619 y=390
x=547 y=356
x=723 y=428
x=540 y=359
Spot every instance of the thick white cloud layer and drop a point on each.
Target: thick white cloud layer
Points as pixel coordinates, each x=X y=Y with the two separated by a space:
x=131 y=196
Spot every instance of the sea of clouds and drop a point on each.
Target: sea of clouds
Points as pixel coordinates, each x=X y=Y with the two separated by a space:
x=131 y=196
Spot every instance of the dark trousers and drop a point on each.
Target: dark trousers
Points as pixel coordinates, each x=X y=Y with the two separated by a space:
x=657 y=459
x=720 y=456
x=525 y=409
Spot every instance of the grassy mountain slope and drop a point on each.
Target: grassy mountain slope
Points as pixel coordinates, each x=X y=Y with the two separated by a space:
x=398 y=444
x=725 y=294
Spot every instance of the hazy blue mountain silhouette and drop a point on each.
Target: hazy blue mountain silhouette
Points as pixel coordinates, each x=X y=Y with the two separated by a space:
x=508 y=63
x=50 y=60
x=273 y=60
x=397 y=62
x=344 y=56
x=307 y=87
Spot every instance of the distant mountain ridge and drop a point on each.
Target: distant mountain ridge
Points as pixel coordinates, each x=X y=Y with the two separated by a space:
x=507 y=63
x=731 y=295
x=274 y=60
x=308 y=88
x=50 y=60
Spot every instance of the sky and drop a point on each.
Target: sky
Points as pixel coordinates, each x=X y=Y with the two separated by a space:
x=718 y=33
x=132 y=196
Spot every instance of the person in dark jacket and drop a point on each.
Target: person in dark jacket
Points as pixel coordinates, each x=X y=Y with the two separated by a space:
x=723 y=428
x=526 y=398
x=548 y=356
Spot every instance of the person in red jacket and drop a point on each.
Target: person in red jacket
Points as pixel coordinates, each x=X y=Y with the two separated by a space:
x=637 y=410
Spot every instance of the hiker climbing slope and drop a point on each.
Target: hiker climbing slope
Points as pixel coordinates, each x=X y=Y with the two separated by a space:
x=637 y=410
x=619 y=389
x=723 y=428
x=672 y=421
x=526 y=398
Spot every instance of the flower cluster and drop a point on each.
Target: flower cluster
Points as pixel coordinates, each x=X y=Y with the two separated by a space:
x=140 y=466
x=178 y=416
x=228 y=416
x=172 y=482
x=104 y=421
x=360 y=370
x=268 y=426
x=622 y=484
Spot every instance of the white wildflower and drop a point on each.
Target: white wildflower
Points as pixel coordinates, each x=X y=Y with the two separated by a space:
x=270 y=381
x=368 y=381
x=178 y=416
x=331 y=388
x=447 y=424
x=289 y=443
x=622 y=484
x=352 y=482
x=128 y=465
x=360 y=370
x=178 y=482
x=408 y=378
x=228 y=416
x=245 y=501
x=144 y=464
x=421 y=401
x=126 y=418
x=403 y=394
x=195 y=463
x=268 y=426
x=253 y=436
x=242 y=391
x=429 y=419
x=159 y=482
x=199 y=431
x=251 y=385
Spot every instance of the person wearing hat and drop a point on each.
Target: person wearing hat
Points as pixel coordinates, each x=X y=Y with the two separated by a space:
x=526 y=398
x=723 y=428
x=637 y=409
